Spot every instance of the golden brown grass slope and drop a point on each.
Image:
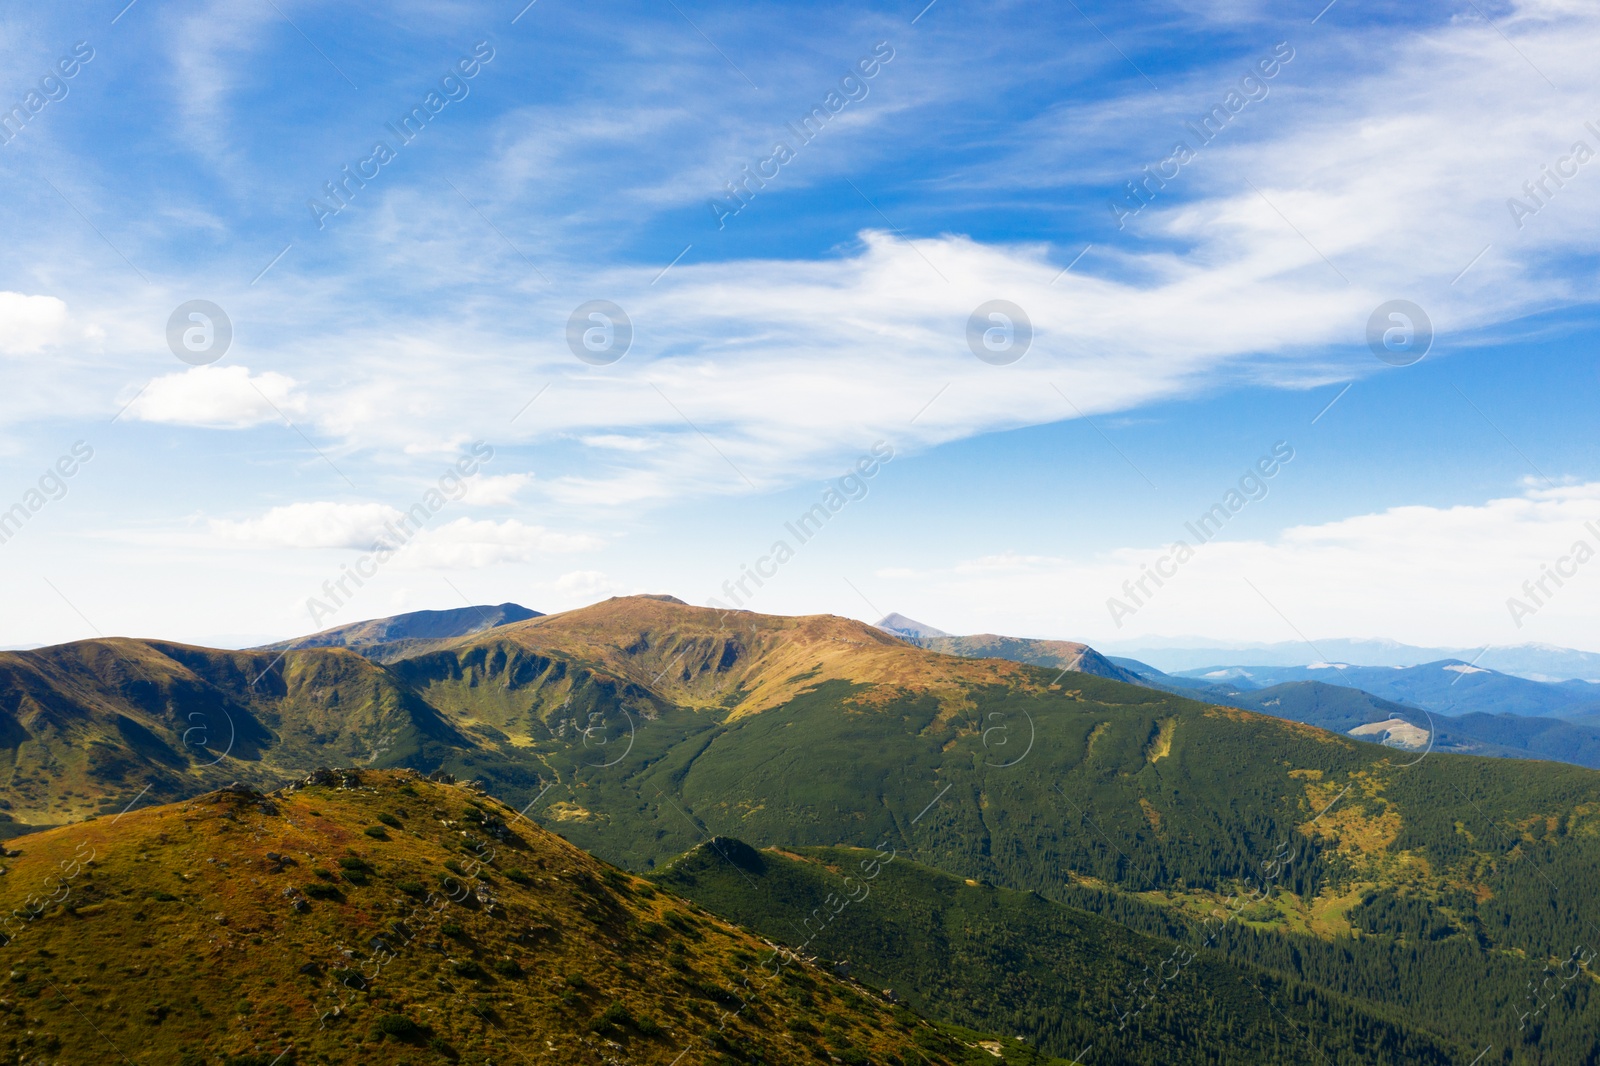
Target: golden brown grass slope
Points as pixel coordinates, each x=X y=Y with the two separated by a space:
x=85 y=726
x=379 y=917
x=738 y=661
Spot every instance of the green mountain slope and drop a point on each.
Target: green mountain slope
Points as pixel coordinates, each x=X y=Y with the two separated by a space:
x=1513 y=736
x=1066 y=979
x=85 y=726
x=640 y=727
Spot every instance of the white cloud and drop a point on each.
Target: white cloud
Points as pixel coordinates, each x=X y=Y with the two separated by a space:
x=29 y=324
x=580 y=587
x=226 y=397
x=211 y=51
x=1425 y=575
x=472 y=544
x=619 y=442
x=786 y=367
x=765 y=372
x=491 y=490
x=461 y=544
x=317 y=524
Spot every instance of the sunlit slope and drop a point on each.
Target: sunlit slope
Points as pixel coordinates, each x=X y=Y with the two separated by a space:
x=86 y=726
x=825 y=732
x=738 y=662
x=640 y=727
x=1114 y=786
x=382 y=918
x=1013 y=961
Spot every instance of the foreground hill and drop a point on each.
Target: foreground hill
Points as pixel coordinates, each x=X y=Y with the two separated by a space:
x=641 y=726
x=1065 y=978
x=383 y=918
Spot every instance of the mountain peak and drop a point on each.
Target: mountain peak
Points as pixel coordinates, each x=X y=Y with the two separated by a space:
x=900 y=625
x=411 y=631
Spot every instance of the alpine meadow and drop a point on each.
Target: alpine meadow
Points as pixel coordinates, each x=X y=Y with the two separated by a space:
x=954 y=533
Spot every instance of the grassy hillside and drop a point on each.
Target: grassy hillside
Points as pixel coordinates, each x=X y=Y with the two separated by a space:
x=1119 y=785
x=1061 y=654
x=737 y=663
x=1013 y=961
x=86 y=726
x=383 y=918
x=641 y=727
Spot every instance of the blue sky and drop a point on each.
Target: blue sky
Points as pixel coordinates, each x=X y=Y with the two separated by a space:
x=577 y=152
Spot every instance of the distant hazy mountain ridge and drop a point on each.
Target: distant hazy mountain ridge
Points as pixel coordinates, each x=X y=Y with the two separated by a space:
x=1061 y=654
x=1448 y=686
x=1537 y=662
x=402 y=634
x=1476 y=711
x=900 y=625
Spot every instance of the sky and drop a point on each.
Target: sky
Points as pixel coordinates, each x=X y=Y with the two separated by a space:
x=605 y=297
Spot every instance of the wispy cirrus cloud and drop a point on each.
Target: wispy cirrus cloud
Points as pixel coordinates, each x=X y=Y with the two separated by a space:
x=1361 y=189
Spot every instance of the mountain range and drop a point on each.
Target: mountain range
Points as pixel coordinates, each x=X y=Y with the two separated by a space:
x=1068 y=855
x=1536 y=662
x=1062 y=654
x=1449 y=706
x=1449 y=686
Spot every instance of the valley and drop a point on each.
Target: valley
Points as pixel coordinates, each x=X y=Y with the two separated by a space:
x=1101 y=824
